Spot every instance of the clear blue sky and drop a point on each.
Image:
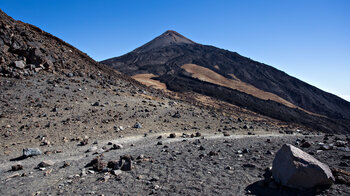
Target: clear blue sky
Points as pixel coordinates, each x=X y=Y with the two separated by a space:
x=308 y=39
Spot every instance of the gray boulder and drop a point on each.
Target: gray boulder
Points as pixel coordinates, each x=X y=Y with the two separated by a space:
x=28 y=152
x=295 y=168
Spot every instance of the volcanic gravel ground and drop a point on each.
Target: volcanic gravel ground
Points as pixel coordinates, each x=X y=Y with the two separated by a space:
x=211 y=164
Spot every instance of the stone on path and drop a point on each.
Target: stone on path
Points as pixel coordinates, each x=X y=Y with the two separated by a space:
x=46 y=163
x=28 y=152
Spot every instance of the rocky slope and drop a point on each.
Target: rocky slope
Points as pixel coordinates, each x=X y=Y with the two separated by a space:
x=272 y=92
x=26 y=50
x=83 y=119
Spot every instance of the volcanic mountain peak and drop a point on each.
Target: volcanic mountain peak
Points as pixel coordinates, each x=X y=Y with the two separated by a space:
x=168 y=38
x=175 y=63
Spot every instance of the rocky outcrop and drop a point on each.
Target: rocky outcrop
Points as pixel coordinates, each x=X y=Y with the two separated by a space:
x=295 y=168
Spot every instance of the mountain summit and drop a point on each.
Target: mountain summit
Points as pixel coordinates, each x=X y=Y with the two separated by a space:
x=178 y=64
x=168 y=38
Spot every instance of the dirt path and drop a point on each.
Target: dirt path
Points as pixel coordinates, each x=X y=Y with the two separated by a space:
x=138 y=141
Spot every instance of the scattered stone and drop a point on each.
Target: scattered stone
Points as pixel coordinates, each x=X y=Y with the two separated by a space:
x=226 y=134
x=141 y=177
x=325 y=147
x=65 y=164
x=19 y=64
x=212 y=153
x=84 y=142
x=197 y=141
x=249 y=165
x=176 y=115
x=198 y=134
x=28 y=152
x=172 y=103
x=114 y=164
x=96 y=103
x=305 y=145
x=118 y=128
x=141 y=156
x=46 y=163
x=117 y=146
x=83 y=172
x=295 y=168
x=125 y=163
x=16 y=167
x=48 y=65
x=137 y=125
x=117 y=172
x=154 y=179
x=70 y=74
x=160 y=143
x=97 y=164
x=246 y=150
x=172 y=135
x=45 y=143
x=105 y=178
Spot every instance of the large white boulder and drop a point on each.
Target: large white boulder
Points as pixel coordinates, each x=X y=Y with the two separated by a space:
x=295 y=168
